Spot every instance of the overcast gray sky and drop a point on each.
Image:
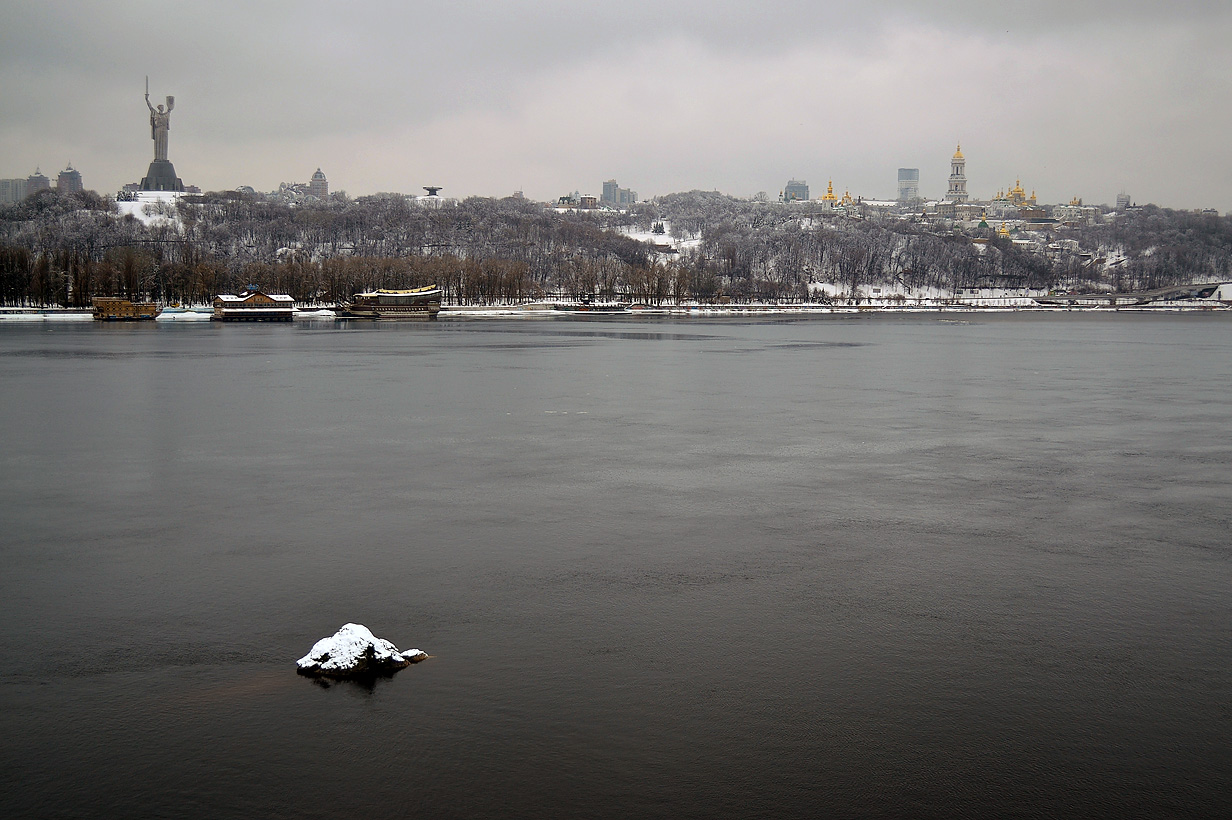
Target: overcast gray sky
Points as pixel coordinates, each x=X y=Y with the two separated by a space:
x=1075 y=98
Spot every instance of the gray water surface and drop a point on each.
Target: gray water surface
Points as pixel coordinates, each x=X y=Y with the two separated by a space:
x=865 y=567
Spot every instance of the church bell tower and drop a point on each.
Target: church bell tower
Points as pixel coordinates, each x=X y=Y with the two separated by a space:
x=958 y=178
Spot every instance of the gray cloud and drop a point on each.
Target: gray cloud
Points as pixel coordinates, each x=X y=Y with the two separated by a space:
x=1076 y=99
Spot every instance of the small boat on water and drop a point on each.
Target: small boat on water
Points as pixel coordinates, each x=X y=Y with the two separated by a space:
x=115 y=309
x=591 y=307
x=414 y=303
x=587 y=304
x=173 y=313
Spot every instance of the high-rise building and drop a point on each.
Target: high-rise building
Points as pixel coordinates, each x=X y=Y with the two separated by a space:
x=795 y=190
x=1122 y=201
x=957 y=191
x=12 y=191
x=37 y=182
x=69 y=180
x=616 y=196
x=318 y=186
x=908 y=184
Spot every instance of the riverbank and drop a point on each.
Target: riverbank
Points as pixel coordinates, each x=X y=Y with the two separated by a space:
x=742 y=310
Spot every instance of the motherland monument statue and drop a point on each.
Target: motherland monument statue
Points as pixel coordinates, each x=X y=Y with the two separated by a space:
x=161 y=176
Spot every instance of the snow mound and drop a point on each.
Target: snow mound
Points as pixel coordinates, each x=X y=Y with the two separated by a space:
x=353 y=651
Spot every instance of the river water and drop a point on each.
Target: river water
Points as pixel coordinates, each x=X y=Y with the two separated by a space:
x=892 y=566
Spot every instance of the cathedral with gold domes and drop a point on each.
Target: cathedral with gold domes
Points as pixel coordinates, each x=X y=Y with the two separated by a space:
x=846 y=204
x=1016 y=196
x=1011 y=203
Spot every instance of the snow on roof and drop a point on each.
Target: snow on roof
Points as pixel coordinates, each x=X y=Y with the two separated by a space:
x=244 y=297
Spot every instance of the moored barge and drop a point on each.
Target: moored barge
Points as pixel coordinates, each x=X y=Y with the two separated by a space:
x=384 y=303
x=115 y=309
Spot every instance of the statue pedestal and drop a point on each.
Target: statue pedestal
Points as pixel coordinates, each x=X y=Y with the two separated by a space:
x=161 y=177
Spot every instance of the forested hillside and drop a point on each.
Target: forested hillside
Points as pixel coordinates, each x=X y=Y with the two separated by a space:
x=699 y=246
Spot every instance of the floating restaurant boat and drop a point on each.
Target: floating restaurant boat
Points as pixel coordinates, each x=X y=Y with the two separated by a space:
x=1212 y=294
x=415 y=303
x=253 y=306
x=115 y=309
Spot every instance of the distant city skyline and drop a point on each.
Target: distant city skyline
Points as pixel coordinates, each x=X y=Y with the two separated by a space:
x=547 y=98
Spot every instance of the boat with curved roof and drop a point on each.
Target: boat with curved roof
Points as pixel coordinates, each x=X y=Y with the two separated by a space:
x=385 y=303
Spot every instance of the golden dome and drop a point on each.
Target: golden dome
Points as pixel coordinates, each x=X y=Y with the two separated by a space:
x=1016 y=195
x=958 y=152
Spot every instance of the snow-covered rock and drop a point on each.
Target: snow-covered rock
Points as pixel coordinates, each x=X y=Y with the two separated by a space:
x=353 y=651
